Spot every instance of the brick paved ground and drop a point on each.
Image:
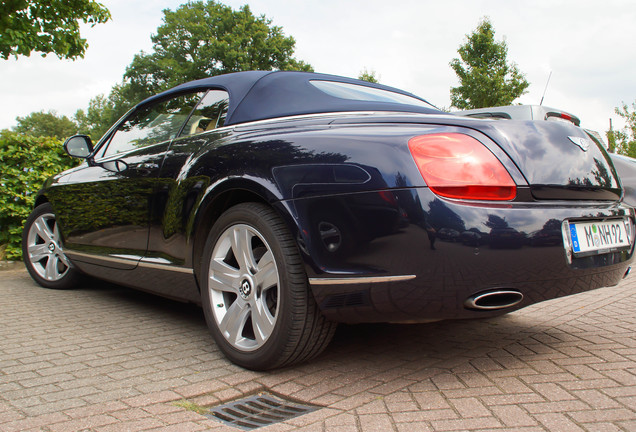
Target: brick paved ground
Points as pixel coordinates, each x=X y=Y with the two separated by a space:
x=105 y=358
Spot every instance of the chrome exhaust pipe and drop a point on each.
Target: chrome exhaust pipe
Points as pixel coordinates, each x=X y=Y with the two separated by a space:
x=493 y=300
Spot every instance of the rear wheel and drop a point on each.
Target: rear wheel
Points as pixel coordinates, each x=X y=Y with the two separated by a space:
x=255 y=294
x=43 y=251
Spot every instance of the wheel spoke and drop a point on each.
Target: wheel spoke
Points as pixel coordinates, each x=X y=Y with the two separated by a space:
x=42 y=229
x=233 y=322
x=51 y=273
x=242 y=248
x=262 y=321
x=56 y=234
x=38 y=251
x=223 y=277
x=63 y=259
x=267 y=276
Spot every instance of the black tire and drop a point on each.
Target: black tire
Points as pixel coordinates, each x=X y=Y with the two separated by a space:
x=43 y=251
x=255 y=294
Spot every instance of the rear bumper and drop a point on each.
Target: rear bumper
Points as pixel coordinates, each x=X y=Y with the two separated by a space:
x=373 y=257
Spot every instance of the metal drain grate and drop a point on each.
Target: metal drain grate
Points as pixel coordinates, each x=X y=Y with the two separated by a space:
x=257 y=411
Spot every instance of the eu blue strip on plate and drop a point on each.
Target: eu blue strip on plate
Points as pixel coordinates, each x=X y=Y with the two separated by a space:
x=575 y=240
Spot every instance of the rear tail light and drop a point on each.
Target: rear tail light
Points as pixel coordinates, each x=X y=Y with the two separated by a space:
x=455 y=165
x=564 y=116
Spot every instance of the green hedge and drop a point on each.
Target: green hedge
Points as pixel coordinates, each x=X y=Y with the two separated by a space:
x=26 y=162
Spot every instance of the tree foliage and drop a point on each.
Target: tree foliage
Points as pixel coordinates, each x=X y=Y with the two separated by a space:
x=46 y=124
x=27 y=161
x=103 y=112
x=486 y=78
x=47 y=26
x=369 y=76
x=625 y=140
x=202 y=39
x=198 y=40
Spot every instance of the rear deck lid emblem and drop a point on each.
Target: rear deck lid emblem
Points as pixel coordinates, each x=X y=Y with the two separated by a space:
x=583 y=143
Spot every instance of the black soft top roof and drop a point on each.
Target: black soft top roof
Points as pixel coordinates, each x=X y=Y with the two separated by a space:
x=259 y=95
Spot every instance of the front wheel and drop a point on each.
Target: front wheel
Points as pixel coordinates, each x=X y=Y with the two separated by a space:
x=43 y=252
x=255 y=295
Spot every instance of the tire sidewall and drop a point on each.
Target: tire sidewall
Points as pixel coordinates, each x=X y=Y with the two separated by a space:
x=268 y=355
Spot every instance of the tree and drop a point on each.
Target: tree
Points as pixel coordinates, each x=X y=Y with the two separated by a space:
x=625 y=140
x=46 y=124
x=198 y=40
x=369 y=76
x=202 y=39
x=486 y=79
x=611 y=140
x=102 y=112
x=27 y=161
x=47 y=26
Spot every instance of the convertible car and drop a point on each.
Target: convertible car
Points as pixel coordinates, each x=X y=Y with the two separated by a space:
x=285 y=202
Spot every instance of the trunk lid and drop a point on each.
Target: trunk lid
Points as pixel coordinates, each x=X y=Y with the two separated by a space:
x=559 y=160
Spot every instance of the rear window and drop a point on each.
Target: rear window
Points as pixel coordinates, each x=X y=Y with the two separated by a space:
x=363 y=93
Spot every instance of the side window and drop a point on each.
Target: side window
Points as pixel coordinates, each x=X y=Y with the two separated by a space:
x=151 y=125
x=209 y=114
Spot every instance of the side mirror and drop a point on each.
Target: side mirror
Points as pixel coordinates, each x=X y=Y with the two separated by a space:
x=79 y=146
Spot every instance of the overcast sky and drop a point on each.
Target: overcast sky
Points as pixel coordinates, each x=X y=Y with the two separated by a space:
x=589 y=46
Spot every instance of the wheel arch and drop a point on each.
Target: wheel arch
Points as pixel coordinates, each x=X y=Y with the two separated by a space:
x=221 y=198
x=39 y=200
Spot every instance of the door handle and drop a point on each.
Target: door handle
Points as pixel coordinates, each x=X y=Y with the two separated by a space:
x=148 y=166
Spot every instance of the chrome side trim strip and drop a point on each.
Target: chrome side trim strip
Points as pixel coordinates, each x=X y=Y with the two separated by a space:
x=359 y=280
x=132 y=260
x=113 y=259
x=166 y=267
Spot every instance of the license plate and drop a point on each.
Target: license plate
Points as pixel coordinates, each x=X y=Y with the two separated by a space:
x=600 y=236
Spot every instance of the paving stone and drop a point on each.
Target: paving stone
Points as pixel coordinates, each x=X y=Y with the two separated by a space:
x=596 y=399
x=428 y=415
x=557 y=422
x=470 y=407
x=85 y=423
x=552 y=392
x=33 y=422
x=131 y=426
x=53 y=407
x=376 y=422
x=465 y=424
x=110 y=359
x=153 y=398
x=95 y=409
x=602 y=427
x=592 y=416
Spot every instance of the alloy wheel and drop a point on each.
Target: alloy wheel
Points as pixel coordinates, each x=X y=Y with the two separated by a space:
x=244 y=287
x=44 y=248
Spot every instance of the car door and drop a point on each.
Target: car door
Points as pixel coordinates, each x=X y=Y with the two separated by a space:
x=103 y=208
x=181 y=185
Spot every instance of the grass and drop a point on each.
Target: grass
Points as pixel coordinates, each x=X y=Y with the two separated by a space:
x=191 y=406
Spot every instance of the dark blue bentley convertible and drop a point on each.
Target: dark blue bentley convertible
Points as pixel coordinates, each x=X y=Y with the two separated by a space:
x=284 y=202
